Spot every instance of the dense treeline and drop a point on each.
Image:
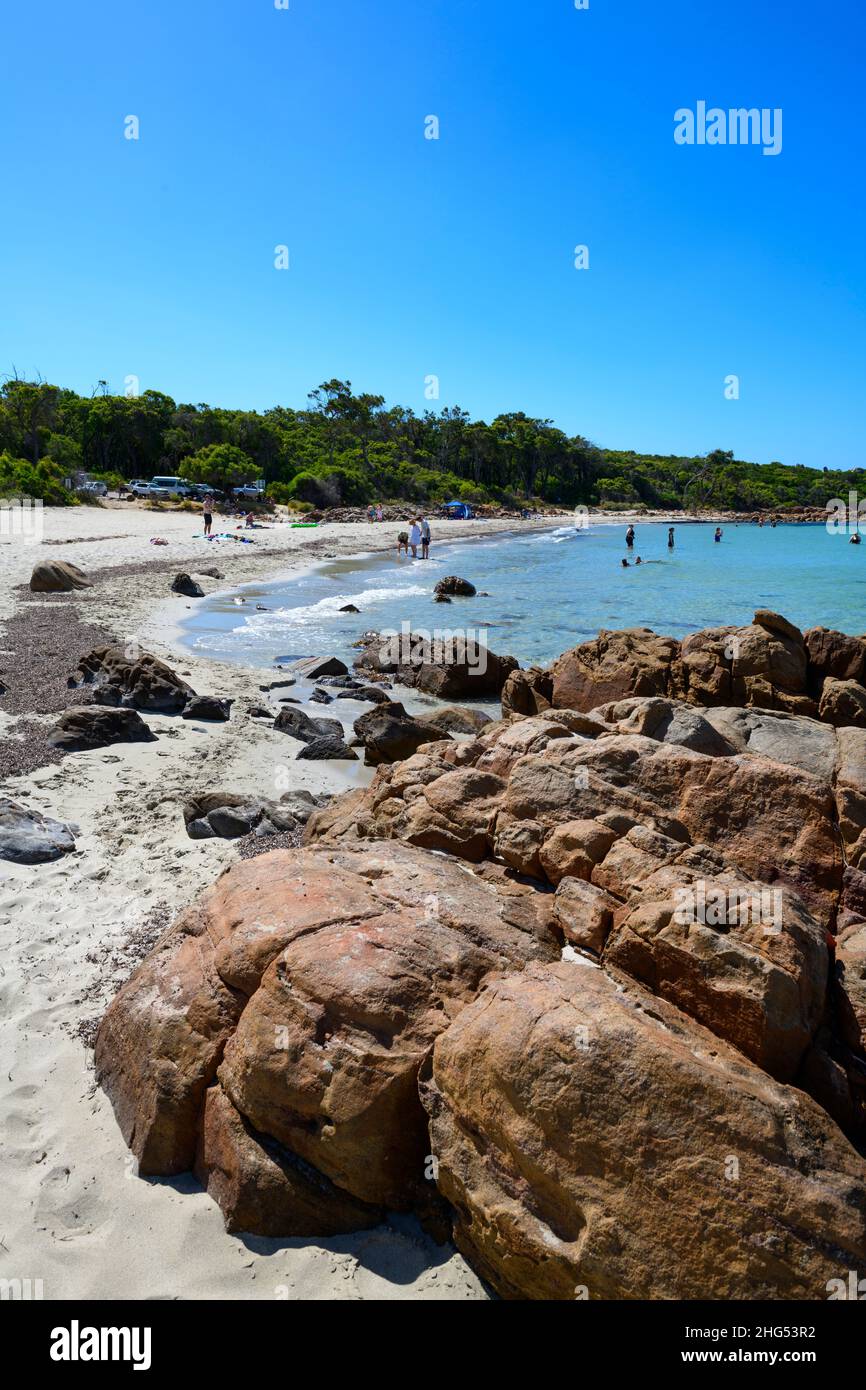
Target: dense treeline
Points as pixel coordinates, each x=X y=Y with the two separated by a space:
x=348 y=448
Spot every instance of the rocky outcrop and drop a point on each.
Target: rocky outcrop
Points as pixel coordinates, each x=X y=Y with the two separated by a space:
x=82 y=727
x=312 y=985
x=612 y=666
x=57 y=577
x=450 y=665
x=616 y=1023
x=28 y=837
x=527 y=692
x=134 y=679
x=768 y=664
x=594 y=1142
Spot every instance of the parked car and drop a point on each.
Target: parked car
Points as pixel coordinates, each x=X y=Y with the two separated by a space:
x=170 y=486
x=95 y=486
x=250 y=491
x=138 y=487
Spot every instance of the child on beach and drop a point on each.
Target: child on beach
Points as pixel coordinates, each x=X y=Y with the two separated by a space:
x=415 y=538
x=402 y=543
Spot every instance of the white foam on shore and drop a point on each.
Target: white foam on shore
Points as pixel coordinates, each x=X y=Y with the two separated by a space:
x=274 y=623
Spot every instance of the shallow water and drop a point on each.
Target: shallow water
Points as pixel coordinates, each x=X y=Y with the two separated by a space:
x=549 y=590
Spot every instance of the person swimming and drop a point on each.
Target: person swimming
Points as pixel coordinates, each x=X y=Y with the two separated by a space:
x=625 y=564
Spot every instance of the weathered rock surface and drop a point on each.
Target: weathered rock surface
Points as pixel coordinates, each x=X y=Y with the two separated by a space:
x=28 y=837
x=834 y=654
x=527 y=692
x=136 y=681
x=595 y=1142
x=843 y=703
x=316 y=983
x=851 y=986
x=389 y=734
x=264 y=1189
x=749 y=963
x=454 y=719
x=451 y=666
x=767 y=664
x=612 y=666
x=57 y=577
x=84 y=727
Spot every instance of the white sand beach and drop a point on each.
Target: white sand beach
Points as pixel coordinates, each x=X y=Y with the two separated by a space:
x=74 y=1212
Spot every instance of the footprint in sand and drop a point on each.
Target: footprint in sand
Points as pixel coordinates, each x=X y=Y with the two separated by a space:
x=69 y=1204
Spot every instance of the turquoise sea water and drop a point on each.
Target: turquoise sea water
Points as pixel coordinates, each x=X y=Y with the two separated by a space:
x=550 y=590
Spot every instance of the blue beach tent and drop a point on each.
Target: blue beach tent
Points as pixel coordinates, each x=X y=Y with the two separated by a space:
x=459 y=511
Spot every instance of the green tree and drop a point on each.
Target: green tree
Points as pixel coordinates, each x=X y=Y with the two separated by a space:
x=219 y=465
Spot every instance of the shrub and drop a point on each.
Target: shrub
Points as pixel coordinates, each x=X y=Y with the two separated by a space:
x=42 y=481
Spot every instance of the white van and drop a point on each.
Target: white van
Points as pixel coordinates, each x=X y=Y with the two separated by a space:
x=170 y=487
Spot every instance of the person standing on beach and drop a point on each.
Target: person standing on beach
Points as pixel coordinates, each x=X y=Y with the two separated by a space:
x=415 y=538
x=670 y=538
x=629 y=537
x=425 y=538
x=207 y=513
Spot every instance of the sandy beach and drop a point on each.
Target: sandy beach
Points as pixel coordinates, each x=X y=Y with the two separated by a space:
x=75 y=1214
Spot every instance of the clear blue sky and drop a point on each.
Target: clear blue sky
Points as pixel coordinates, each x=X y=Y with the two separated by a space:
x=412 y=257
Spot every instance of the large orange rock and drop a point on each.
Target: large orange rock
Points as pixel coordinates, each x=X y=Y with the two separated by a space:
x=612 y=665
x=763 y=664
x=748 y=962
x=312 y=983
x=595 y=1142
x=264 y=1189
x=162 y=1038
x=326 y=1055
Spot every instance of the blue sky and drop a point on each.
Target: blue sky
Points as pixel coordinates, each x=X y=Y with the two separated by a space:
x=412 y=257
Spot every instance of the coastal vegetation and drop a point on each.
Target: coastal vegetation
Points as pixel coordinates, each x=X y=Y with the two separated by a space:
x=345 y=448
